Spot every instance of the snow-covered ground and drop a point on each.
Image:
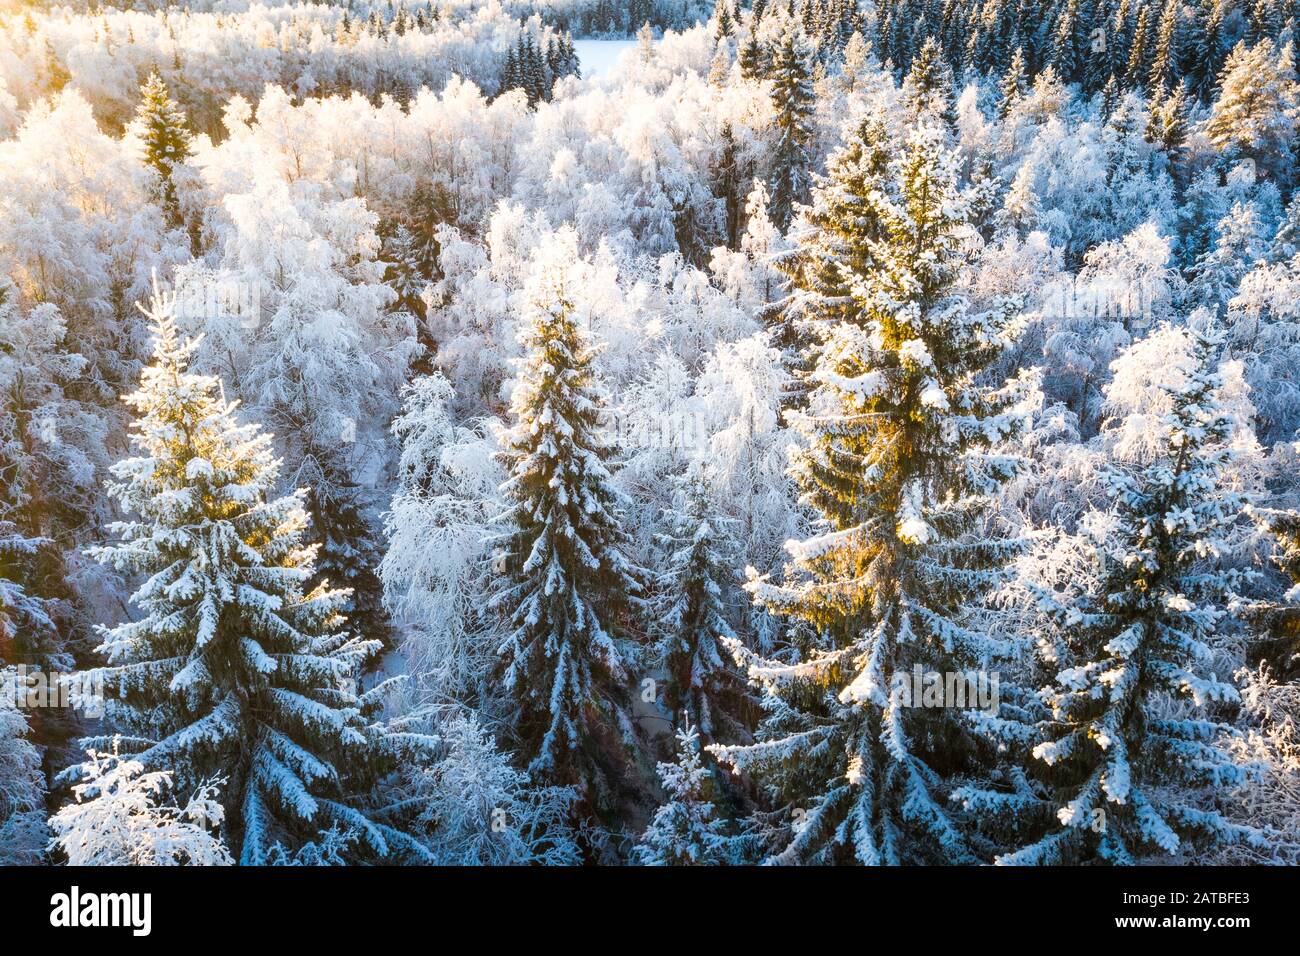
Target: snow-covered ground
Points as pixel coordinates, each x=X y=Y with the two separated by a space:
x=599 y=56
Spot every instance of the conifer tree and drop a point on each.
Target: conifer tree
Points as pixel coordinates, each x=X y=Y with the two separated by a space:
x=834 y=244
x=567 y=584
x=22 y=784
x=896 y=464
x=1217 y=274
x=1165 y=61
x=1255 y=116
x=239 y=666
x=1014 y=85
x=1138 y=55
x=1282 y=618
x=28 y=633
x=753 y=64
x=722 y=25
x=685 y=830
x=1112 y=754
x=928 y=88
x=792 y=99
x=693 y=620
x=165 y=139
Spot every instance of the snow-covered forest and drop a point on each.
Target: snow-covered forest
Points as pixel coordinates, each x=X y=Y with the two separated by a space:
x=843 y=432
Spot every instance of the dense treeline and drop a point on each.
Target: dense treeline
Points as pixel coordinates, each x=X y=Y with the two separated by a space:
x=438 y=454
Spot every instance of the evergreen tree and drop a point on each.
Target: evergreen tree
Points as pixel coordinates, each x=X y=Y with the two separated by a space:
x=684 y=831
x=928 y=88
x=722 y=24
x=28 y=633
x=239 y=667
x=1258 y=108
x=1014 y=85
x=1137 y=70
x=567 y=582
x=1113 y=753
x=792 y=100
x=1217 y=274
x=1282 y=618
x=165 y=140
x=22 y=784
x=693 y=620
x=752 y=59
x=897 y=428
x=1165 y=61
x=834 y=245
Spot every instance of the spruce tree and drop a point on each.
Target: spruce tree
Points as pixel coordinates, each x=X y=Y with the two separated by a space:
x=1281 y=618
x=752 y=59
x=896 y=463
x=693 y=621
x=685 y=831
x=567 y=584
x=928 y=88
x=1256 y=114
x=166 y=141
x=239 y=667
x=792 y=100
x=1014 y=85
x=834 y=245
x=1117 y=764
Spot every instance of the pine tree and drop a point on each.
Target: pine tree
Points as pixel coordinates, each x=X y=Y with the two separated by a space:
x=792 y=100
x=1135 y=73
x=1207 y=49
x=1064 y=57
x=728 y=185
x=896 y=464
x=1165 y=62
x=165 y=139
x=567 y=583
x=685 y=830
x=693 y=620
x=1112 y=752
x=720 y=67
x=722 y=25
x=239 y=667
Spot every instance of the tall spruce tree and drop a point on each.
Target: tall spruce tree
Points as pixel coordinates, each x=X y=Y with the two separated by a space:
x=567 y=584
x=693 y=621
x=239 y=667
x=1117 y=767
x=792 y=100
x=833 y=245
x=166 y=140
x=897 y=430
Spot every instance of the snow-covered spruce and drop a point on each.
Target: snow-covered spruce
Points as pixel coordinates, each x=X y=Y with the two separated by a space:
x=685 y=831
x=1116 y=762
x=567 y=585
x=703 y=688
x=897 y=464
x=239 y=665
